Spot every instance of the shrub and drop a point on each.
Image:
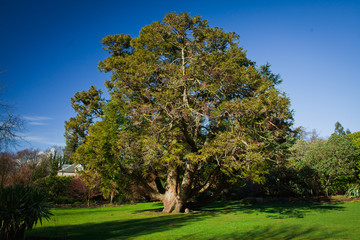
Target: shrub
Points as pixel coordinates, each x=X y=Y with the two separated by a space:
x=57 y=188
x=21 y=207
x=82 y=191
x=353 y=191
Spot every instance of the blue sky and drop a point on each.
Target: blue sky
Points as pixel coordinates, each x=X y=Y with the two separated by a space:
x=49 y=49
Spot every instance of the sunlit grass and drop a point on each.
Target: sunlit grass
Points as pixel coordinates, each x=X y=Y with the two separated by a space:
x=221 y=220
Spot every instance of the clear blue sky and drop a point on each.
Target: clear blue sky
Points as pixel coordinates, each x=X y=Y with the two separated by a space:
x=49 y=49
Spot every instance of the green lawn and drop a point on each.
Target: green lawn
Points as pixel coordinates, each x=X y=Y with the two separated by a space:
x=221 y=220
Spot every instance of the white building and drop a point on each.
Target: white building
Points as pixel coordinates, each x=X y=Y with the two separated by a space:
x=70 y=169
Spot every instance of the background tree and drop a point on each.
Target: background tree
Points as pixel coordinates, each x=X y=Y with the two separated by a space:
x=85 y=187
x=8 y=167
x=330 y=160
x=10 y=125
x=195 y=112
x=28 y=156
x=56 y=158
x=42 y=169
x=88 y=106
x=339 y=129
x=29 y=165
x=28 y=161
x=99 y=154
x=305 y=180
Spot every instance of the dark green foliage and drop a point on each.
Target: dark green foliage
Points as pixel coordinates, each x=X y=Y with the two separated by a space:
x=88 y=106
x=100 y=155
x=56 y=159
x=21 y=207
x=41 y=170
x=285 y=181
x=332 y=163
x=316 y=167
x=55 y=164
x=57 y=188
x=68 y=190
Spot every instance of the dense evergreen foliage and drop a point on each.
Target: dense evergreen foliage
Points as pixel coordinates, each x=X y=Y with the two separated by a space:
x=188 y=112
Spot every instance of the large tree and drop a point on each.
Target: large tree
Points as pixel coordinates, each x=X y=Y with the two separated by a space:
x=195 y=113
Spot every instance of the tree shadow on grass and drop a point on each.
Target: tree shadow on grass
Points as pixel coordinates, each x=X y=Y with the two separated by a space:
x=120 y=229
x=273 y=210
x=143 y=226
x=157 y=208
x=277 y=233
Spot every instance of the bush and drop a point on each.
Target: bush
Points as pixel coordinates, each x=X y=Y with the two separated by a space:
x=21 y=207
x=57 y=188
x=81 y=191
x=67 y=190
x=353 y=191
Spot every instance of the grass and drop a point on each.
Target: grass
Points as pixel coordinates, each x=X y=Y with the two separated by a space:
x=221 y=220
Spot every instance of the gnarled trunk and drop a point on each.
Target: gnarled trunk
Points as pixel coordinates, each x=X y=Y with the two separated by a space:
x=170 y=198
x=177 y=193
x=170 y=202
x=173 y=203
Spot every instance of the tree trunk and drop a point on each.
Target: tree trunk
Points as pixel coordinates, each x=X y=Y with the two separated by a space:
x=177 y=193
x=169 y=202
x=112 y=196
x=170 y=197
x=173 y=204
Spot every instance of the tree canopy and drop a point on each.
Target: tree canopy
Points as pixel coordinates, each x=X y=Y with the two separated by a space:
x=188 y=112
x=10 y=125
x=88 y=106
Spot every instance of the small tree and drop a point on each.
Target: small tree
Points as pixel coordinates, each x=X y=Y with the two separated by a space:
x=41 y=170
x=99 y=155
x=85 y=187
x=56 y=159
